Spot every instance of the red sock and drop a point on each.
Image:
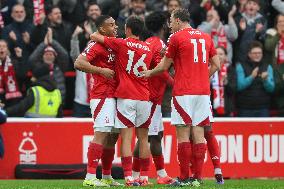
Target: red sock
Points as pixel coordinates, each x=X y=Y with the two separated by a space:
x=107 y=158
x=184 y=153
x=136 y=164
x=145 y=166
x=192 y=161
x=199 y=155
x=159 y=162
x=126 y=163
x=213 y=148
x=94 y=155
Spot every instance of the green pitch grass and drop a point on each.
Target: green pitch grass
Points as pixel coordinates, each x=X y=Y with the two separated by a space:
x=77 y=184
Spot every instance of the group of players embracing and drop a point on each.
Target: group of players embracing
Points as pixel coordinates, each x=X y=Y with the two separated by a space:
x=129 y=77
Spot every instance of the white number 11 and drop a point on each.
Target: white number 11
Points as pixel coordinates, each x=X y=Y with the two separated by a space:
x=195 y=50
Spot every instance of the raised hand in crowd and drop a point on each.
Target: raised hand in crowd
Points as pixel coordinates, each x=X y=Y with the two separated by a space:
x=26 y=37
x=259 y=27
x=264 y=75
x=18 y=52
x=88 y=28
x=48 y=37
x=13 y=36
x=77 y=31
x=243 y=24
x=232 y=11
x=254 y=72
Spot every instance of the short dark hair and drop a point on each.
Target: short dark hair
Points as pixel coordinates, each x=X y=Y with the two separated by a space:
x=182 y=14
x=168 y=2
x=155 y=21
x=136 y=24
x=49 y=9
x=255 y=44
x=100 y=20
x=91 y=3
x=223 y=48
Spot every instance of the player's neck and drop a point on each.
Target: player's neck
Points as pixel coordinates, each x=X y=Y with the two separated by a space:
x=133 y=37
x=184 y=26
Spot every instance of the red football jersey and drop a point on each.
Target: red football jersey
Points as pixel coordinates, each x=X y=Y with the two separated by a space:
x=131 y=56
x=157 y=84
x=99 y=56
x=190 y=50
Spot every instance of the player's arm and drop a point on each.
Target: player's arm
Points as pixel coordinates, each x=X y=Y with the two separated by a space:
x=215 y=65
x=82 y=64
x=161 y=67
x=97 y=37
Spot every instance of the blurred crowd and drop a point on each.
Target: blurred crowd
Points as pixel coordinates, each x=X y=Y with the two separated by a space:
x=248 y=35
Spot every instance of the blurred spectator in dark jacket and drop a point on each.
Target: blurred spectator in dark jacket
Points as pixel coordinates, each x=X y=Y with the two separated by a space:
x=18 y=33
x=274 y=46
x=137 y=8
x=3 y=119
x=61 y=30
x=52 y=53
x=5 y=12
x=43 y=98
x=255 y=83
x=11 y=70
x=252 y=26
x=224 y=86
x=109 y=7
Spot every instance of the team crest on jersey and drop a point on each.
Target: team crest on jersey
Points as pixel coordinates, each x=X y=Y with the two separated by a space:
x=110 y=57
x=194 y=32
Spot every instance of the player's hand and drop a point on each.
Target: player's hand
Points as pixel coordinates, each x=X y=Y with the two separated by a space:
x=254 y=72
x=107 y=73
x=264 y=75
x=146 y=73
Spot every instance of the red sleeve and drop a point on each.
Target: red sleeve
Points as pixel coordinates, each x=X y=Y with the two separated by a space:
x=113 y=43
x=171 y=49
x=166 y=77
x=212 y=51
x=90 y=51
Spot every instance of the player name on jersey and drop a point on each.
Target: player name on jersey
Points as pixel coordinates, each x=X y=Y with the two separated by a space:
x=138 y=46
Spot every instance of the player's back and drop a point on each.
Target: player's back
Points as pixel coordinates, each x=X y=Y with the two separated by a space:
x=133 y=57
x=157 y=84
x=100 y=56
x=191 y=50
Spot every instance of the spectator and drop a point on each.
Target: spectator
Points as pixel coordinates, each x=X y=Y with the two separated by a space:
x=137 y=8
x=278 y=5
x=109 y=7
x=10 y=75
x=223 y=85
x=251 y=25
x=173 y=5
x=36 y=9
x=61 y=30
x=274 y=46
x=93 y=11
x=18 y=33
x=255 y=83
x=81 y=106
x=155 y=5
x=3 y=119
x=222 y=35
x=42 y=100
x=52 y=53
x=5 y=12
